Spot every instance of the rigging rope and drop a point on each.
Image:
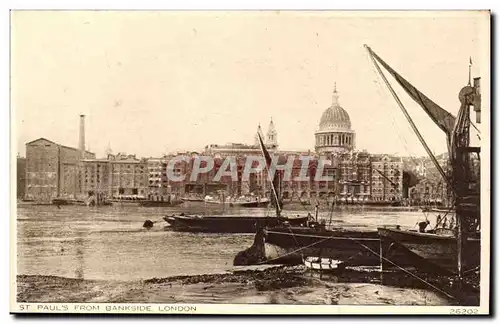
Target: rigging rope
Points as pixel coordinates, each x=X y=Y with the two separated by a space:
x=405 y=270
x=408 y=117
x=383 y=95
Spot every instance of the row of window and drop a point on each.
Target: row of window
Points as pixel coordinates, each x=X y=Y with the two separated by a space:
x=41 y=185
x=380 y=166
x=379 y=190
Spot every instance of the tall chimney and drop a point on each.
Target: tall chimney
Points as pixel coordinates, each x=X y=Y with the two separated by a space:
x=81 y=144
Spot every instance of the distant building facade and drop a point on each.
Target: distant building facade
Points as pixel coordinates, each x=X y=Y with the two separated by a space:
x=52 y=170
x=355 y=176
x=118 y=175
x=95 y=176
x=129 y=175
x=315 y=188
x=387 y=178
x=156 y=170
x=432 y=188
x=21 y=177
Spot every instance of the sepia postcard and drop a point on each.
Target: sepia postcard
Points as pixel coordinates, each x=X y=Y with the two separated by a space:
x=250 y=162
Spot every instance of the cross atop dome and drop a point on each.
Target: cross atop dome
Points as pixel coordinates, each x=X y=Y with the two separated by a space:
x=335 y=95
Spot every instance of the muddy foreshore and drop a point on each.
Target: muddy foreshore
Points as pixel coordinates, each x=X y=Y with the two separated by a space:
x=273 y=285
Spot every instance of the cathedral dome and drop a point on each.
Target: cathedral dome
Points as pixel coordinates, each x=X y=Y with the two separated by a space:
x=334 y=134
x=333 y=118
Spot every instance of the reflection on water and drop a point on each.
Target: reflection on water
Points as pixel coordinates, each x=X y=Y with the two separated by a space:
x=110 y=243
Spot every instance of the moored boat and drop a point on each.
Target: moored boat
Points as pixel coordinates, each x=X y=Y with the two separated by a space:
x=439 y=249
x=127 y=200
x=261 y=202
x=247 y=202
x=67 y=201
x=192 y=199
x=290 y=245
x=227 y=224
x=159 y=203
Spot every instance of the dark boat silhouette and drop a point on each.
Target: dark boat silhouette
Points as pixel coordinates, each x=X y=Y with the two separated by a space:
x=158 y=203
x=228 y=224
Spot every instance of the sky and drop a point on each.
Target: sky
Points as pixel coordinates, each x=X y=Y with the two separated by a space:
x=157 y=82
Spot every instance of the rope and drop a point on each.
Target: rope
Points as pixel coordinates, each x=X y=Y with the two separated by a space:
x=384 y=96
x=296 y=242
x=404 y=270
x=297 y=250
x=331 y=212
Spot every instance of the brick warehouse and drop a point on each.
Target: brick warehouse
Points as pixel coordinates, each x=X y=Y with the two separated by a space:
x=52 y=170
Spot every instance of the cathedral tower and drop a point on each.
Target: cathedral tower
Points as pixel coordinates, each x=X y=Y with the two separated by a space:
x=272 y=136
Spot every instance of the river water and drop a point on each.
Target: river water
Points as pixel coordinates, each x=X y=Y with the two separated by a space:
x=113 y=253
x=109 y=243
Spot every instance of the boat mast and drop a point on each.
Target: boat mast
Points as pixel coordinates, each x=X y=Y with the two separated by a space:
x=268 y=159
x=410 y=121
x=223 y=201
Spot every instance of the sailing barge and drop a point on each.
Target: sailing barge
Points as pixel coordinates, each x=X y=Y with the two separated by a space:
x=247 y=202
x=227 y=224
x=290 y=245
x=160 y=203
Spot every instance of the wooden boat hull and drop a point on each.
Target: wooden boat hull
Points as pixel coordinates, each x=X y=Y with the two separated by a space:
x=66 y=202
x=440 y=251
x=118 y=202
x=192 y=199
x=225 y=224
x=243 y=204
x=250 y=204
x=151 y=203
x=290 y=245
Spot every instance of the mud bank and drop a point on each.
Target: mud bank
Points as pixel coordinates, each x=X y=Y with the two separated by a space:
x=276 y=285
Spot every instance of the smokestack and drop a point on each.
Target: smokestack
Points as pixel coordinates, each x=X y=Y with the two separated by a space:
x=81 y=144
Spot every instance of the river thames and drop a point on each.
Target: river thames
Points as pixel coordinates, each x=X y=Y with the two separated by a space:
x=109 y=246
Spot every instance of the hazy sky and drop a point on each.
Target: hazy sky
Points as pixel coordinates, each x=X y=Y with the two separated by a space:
x=155 y=82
